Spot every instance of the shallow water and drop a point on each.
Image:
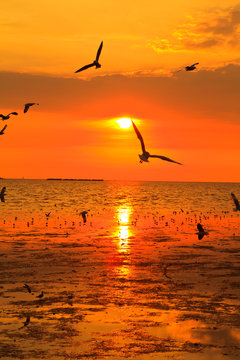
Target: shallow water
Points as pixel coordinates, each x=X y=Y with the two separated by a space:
x=133 y=282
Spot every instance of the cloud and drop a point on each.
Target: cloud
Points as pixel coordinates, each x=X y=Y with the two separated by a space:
x=212 y=29
x=225 y=22
x=203 y=94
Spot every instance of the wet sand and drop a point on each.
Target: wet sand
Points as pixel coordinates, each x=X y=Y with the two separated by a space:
x=127 y=285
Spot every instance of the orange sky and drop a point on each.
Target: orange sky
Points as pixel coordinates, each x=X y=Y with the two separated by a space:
x=192 y=117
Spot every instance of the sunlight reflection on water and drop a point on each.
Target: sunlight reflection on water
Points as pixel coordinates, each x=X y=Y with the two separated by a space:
x=123 y=231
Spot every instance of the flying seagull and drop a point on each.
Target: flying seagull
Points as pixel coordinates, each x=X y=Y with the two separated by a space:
x=191 y=67
x=6 y=117
x=2 y=194
x=201 y=231
x=236 y=202
x=84 y=213
x=3 y=129
x=95 y=62
x=27 y=106
x=145 y=155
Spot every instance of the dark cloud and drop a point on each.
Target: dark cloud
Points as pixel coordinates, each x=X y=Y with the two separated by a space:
x=202 y=43
x=225 y=23
x=202 y=94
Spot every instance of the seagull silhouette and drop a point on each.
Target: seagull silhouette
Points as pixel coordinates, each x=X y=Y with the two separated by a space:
x=28 y=288
x=2 y=194
x=236 y=202
x=201 y=231
x=145 y=155
x=191 y=67
x=3 y=129
x=40 y=296
x=6 y=117
x=27 y=321
x=27 y=106
x=165 y=271
x=84 y=213
x=95 y=62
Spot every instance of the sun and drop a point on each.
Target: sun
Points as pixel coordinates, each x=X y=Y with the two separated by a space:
x=124 y=123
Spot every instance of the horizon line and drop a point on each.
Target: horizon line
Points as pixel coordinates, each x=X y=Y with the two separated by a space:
x=125 y=180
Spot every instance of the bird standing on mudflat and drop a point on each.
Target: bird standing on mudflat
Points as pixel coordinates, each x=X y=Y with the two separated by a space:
x=40 y=296
x=28 y=288
x=6 y=117
x=27 y=321
x=95 y=62
x=145 y=155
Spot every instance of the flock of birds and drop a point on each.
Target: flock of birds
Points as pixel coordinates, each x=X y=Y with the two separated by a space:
x=143 y=157
x=6 y=117
x=98 y=65
x=145 y=154
x=201 y=232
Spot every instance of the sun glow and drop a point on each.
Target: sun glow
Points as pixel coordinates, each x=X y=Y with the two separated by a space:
x=123 y=214
x=124 y=123
x=123 y=232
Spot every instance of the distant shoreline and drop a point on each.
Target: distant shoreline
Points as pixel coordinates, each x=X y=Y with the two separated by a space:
x=60 y=179
x=117 y=180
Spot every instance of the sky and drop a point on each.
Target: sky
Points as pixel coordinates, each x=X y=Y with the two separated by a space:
x=191 y=117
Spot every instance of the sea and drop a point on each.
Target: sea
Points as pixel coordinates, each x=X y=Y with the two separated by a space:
x=26 y=196
x=134 y=280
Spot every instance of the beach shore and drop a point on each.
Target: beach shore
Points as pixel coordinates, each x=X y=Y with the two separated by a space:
x=135 y=285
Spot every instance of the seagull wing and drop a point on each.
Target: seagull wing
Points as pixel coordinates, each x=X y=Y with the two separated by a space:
x=2 y=194
x=99 y=51
x=236 y=202
x=85 y=67
x=3 y=191
x=164 y=158
x=139 y=137
x=200 y=236
x=194 y=64
x=26 y=107
x=4 y=128
x=13 y=113
x=200 y=228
